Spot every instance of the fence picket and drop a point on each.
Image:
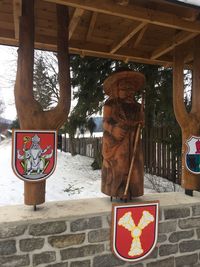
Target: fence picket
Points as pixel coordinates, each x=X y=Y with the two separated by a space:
x=159 y=159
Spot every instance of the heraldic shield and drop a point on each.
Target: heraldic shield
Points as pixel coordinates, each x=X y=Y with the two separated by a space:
x=192 y=157
x=134 y=230
x=34 y=154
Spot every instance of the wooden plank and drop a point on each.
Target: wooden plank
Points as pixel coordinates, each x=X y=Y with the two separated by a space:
x=91 y=50
x=140 y=36
x=46 y=32
x=134 y=12
x=10 y=41
x=17 y=9
x=158 y=153
x=154 y=150
x=180 y=38
x=151 y=150
x=164 y=157
x=147 y=150
x=87 y=49
x=5 y=17
x=91 y=26
x=168 y=168
x=75 y=20
x=127 y=37
x=144 y=147
x=122 y=2
x=6 y=26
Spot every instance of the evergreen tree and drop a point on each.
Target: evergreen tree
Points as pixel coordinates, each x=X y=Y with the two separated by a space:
x=87 y=76
x=91 y=125
x=15 y=124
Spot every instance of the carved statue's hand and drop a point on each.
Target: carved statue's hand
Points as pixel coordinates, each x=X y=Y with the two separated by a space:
x=118 y=133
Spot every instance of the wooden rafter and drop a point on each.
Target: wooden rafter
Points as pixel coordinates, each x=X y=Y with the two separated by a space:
x=122 y=2
x=134 y=13
x=127 y=37
x=75 y=20
x=17 y=9
x=92 y=25
x=180 y=38
x=140 y=36
x=136 y=55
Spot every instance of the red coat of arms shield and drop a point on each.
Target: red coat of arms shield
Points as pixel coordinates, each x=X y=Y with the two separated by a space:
x=34 y=154
x=134 y=230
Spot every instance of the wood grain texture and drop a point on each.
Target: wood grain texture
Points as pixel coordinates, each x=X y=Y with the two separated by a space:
x=106 y=29
x=188 y=121
x=121 y=142
x=29 y=111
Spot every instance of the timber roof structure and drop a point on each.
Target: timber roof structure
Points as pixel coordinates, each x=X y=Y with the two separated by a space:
x=145 y=31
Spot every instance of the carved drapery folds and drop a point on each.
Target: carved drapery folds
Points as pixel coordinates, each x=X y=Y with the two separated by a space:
x=122 y=170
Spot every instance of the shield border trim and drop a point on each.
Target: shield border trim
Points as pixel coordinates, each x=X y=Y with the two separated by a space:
x=113 y=229
x=195 y=137
x=14 y=132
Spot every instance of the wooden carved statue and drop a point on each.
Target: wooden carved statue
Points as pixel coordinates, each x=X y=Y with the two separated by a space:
x=122 y=170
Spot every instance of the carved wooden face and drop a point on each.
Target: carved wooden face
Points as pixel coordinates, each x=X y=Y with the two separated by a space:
x=126 y=88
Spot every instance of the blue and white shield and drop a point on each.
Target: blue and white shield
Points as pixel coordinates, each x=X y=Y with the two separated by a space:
x=192 y=157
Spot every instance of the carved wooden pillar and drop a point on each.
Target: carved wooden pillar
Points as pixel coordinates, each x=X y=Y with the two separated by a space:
x=189 y=122
x=30 y=113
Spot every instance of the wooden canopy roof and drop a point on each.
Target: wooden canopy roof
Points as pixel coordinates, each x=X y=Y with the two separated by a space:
x=143 y=31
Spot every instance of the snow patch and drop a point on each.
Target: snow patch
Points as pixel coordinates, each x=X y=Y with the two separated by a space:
x=73 y=178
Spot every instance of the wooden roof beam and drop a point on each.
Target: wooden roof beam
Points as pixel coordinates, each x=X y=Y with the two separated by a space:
x=17 y=10
x=75 y=20
x=91 y=26
x=140 y=36
x=90 y=50
x=127 y=37
x=122 y=2
x=120 y=56
x=133 y=12
x=180 y=38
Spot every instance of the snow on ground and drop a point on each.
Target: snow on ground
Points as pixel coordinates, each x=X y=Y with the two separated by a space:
x=73 y=178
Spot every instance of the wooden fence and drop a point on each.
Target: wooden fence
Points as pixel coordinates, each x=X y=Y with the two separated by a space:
x=159 y=159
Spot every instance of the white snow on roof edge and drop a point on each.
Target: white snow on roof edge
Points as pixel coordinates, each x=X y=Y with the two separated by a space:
x=190 y=2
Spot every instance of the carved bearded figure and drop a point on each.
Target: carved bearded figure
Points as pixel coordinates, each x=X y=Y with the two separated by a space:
x=34 y=158
x=121 y=118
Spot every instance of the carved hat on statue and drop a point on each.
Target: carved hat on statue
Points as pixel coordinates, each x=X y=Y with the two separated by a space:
x=111 y=83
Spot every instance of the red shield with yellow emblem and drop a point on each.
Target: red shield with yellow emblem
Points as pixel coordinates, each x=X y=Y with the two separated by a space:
x=34 y=154
x=134 y=230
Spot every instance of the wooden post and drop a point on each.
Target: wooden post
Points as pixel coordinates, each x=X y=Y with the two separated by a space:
x=189 y=122
x=34 y=193
x=30 y=113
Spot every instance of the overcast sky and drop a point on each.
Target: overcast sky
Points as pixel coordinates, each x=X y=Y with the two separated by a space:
x=8 y=58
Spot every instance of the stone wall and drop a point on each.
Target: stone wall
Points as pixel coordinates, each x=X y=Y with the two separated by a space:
x=77 y=234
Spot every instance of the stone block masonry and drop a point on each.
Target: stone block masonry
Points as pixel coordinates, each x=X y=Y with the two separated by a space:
x=77 y=234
